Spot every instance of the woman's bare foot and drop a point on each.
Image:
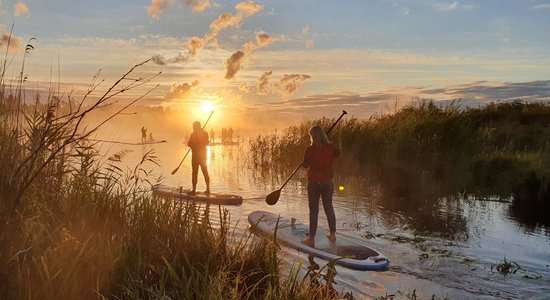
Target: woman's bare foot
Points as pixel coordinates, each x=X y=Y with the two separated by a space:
x=309 y=241
x=331 y=237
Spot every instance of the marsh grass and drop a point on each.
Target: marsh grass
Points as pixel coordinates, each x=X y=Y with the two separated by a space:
x=426 y=151
x=78 y=226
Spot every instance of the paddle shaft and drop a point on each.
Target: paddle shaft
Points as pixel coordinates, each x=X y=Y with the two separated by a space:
x=298 y=167
x=189 y=150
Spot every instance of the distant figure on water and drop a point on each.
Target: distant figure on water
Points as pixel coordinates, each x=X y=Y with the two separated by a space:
x=212 y=136
x=143 y=134
x=230 y=134
x=318 y=159
x=198 y=142
x=151 y=139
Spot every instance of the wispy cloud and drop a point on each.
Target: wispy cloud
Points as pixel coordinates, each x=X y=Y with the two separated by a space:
x=263 y=87
x=157 y=8
x=160 y=60
x=452 y=6
x=286 y=86
x=198 y=5
x=248 y=8
x=233 y=63
x=20 y=8
x=226 y=20
x=182 y=91
x=290 y=83
x=14 y=42
x=490 y=91
x=447 y=6
x=541 y=6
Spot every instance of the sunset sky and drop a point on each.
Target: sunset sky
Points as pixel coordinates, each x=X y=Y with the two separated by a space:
x=304 y=57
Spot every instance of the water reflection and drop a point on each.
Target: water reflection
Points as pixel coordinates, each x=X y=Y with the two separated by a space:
x=324 y=282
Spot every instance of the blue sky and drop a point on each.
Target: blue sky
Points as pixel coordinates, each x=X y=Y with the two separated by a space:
x=301 y=56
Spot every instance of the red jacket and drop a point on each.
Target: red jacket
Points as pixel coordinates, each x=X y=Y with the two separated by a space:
x=319 y=161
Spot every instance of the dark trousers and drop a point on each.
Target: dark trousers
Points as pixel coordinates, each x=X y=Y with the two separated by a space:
x=324 y=190
x=195 y=163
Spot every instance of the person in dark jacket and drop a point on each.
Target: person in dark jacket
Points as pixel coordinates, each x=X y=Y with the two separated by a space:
x=318 y=158
x=198 y=142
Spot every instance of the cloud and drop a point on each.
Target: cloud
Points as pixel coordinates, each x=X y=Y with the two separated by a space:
x=233 y=64
x=486 y=91
x=447 y=6
x=310 y=43
x=245 y=88
x=305 y=30
x=181 y=91
x=195 y=44
x=262 y=40
x=263 y=87
x=14 y=42
x=20 y=8
x=248 y=8
x=198 y=5
x=226 y=20
x=158 y=7
x=160 y=60
x=289 y=84
x=541 y=6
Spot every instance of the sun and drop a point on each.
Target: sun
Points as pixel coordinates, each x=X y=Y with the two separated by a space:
x=207 y=106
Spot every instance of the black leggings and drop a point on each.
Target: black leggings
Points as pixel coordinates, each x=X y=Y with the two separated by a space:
x=324 y=190
x=195 y=163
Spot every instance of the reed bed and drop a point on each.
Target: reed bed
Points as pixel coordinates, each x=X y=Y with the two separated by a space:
x=426 y=151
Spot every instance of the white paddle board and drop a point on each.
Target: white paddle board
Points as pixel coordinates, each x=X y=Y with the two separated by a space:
x=345 y=251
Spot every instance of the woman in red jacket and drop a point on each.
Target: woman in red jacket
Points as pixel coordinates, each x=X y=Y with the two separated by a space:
x=318 y=158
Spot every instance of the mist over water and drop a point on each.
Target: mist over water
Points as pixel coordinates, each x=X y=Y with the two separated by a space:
x=450 y=250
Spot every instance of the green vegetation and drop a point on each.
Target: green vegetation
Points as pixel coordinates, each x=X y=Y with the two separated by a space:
x=75 y=226
x=427 y=151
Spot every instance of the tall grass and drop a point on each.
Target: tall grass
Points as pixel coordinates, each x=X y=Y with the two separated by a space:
x=427 y=151
x=76 y=226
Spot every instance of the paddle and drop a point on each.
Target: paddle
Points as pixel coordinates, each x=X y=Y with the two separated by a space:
x=273 y=197
x=189 y=150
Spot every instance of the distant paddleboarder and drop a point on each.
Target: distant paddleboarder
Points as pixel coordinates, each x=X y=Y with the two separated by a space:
x=198 y=142
x=143 y=134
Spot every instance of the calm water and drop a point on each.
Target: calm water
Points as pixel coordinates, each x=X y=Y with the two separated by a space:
x=450 y=250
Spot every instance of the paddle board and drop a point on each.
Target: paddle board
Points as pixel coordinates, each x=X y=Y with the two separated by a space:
x=212 y=198
x=291 y=232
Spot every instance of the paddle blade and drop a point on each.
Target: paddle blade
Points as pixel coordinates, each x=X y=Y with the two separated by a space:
x=174 y=172
x=273 y=197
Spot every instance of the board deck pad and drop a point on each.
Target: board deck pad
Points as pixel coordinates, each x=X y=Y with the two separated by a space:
x=345 y=251
x=184 y=194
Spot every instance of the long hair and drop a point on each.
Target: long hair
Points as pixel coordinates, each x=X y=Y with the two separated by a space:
x=318 y=136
